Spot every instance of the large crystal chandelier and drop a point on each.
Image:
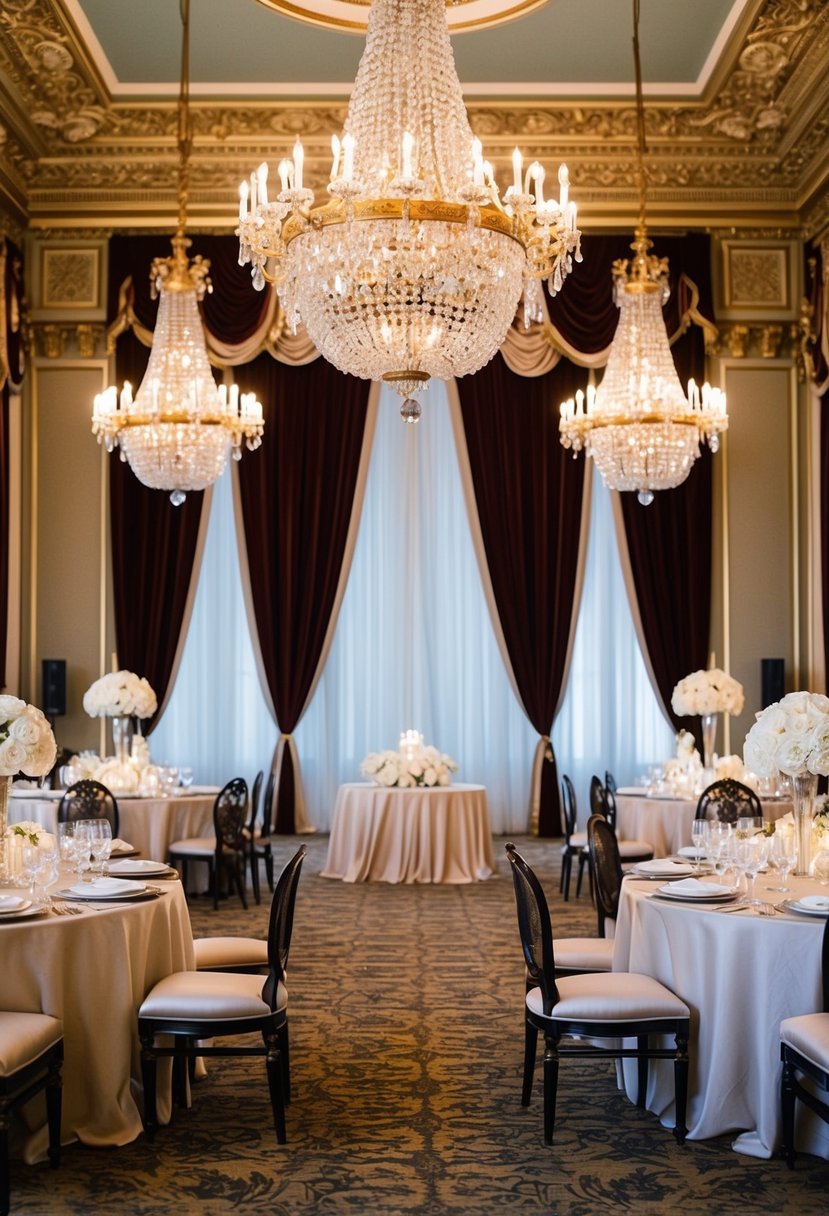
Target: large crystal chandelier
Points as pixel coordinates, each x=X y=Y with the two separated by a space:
x=413 y=267
x=639 y=426
x=179 y=429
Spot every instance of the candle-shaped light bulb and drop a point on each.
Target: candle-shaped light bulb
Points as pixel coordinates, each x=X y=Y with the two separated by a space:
x=348 y=157
x=564 y=187
x=253 y=193
x=262 y=182
x=517 y=165
x=285 y=169
x=571 y=216
x=408 y=145
x=335 y=153
x=477 y=163
x=299 y=157
x=538 y=176
x=243 y=200
x=579 y=402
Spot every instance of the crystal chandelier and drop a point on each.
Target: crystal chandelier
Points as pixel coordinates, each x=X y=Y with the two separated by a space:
x=179 y=429
x=639 y=426
x=413 y=266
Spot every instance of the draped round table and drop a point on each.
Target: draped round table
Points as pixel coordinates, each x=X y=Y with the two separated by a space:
x=92 y=971
x=665 y=821
x=440 y=834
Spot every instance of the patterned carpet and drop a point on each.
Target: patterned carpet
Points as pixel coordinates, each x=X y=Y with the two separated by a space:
x=407 y=1043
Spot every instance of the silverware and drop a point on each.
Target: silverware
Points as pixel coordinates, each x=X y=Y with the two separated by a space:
x=743 y=907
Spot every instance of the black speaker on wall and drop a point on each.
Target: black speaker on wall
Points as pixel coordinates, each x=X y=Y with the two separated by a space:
x=772 y=679
x=54 y=687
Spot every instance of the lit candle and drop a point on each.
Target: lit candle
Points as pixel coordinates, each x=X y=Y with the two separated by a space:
x=564 y=186
x=477 y=163
x=538 y=174
x=243 y=201
x=571 y=216
x=335 y=152
x=408 y=144
x=299 y=157
x=517 y=164
x=262 y=178
x=234 y=398
x=348 y=157
x=253 y=193
x=126 y=396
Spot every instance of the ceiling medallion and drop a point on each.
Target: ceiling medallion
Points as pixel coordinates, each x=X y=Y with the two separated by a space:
x=351 y=16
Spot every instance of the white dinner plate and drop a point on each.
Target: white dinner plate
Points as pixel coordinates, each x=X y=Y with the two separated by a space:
x=809 y=905
x=700 y=892
x=137 y=867
x=689 y=851
x=661 y=868
x=13 y=905
x=23 y=914
x=103 y=888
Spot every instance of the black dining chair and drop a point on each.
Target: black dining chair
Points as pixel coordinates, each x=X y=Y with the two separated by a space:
x=31 y=1058
x=261 y=846
x=574 y=1011
x=728 y=800
x=89 y=800
x=194 y=1006
x=251 y=829
x=575 y=842
x=804 y=1050
x=226 y=851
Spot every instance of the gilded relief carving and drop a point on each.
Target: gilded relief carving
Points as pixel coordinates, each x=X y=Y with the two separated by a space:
x=69 y=278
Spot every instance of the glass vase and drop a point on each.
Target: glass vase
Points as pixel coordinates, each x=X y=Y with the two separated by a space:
x=804 y=789
x=121 y=737
x=709 y=735
x=5 y=786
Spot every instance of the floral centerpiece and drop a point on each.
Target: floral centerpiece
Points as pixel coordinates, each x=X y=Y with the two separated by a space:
x=708 y=693
x=409 y=767
x=792 y=736
x=27 y=745
x=120 y=694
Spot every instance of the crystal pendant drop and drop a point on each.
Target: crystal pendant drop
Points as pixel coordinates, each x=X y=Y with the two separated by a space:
x=411 y=410
x=177 y=497
x=645 y=497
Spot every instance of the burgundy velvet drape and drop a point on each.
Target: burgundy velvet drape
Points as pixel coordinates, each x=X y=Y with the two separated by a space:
x=11 y=376
x=528 y=492
x=297 y=496
x=153 y=550
x=4 y=529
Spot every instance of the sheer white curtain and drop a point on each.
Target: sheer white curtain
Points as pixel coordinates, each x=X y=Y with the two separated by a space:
x=414 y=648
x=610 y=718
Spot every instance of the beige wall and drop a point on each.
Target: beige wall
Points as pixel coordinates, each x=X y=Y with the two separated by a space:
x=67 y=540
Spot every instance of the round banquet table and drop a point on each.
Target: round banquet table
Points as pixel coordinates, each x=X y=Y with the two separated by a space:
x=93 y=971
x=740 y=974
x=665 y=822
x=150 y=825
x=438 y=834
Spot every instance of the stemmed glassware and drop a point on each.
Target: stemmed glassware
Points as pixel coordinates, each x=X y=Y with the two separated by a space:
x=40 y=863
x=99 y=833
x=699 y=836
x=783 y=856
x=751 y=855
x=718 y=846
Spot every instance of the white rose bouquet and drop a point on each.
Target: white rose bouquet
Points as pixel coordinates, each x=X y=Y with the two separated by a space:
x=708 y=692
x=791 y=736
x=419 y=766
x=120 y=694
x=27 y=744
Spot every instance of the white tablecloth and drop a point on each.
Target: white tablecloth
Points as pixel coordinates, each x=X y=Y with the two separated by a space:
x=741 y=974
x=150 y=824
x=666 y=822
x=93 y=971
x=416 y=835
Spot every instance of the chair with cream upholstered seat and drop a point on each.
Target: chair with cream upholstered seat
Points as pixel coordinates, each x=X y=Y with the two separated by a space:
x=804 y=1048
x=31 y=1057
x=192 y=1006
x=575 y=842
x=612 y=1006
x=226 y=851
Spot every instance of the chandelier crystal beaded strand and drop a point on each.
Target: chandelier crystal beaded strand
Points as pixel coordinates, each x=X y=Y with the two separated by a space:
x=414 y=266
x=638 y=425
x=179 y=429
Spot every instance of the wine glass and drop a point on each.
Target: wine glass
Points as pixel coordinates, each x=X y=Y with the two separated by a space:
x=66 y=842
x=751 y=855
x=83 y=848
x=784 y=856
x=718 y=846
x=185 y=776
x=699 y=835
x=100 y=843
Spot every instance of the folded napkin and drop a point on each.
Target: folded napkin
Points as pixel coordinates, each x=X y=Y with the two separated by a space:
x=664 y=865
x=819 y=902
x=121 y=846
x=100 y=888
x=12 y=903
x=695 y=888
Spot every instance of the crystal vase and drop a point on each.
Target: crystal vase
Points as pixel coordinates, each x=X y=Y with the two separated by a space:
x=5 y=786
x=121 y=737
x=709 y=735
x=804 y=789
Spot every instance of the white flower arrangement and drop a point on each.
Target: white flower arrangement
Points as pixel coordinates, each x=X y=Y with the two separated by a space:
x=120 y=694
x=686 y=749
x=791 y=736
x=35 y=833
x=417 y=766
x=27 y=744
x=732 y=767
x=708 y=692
